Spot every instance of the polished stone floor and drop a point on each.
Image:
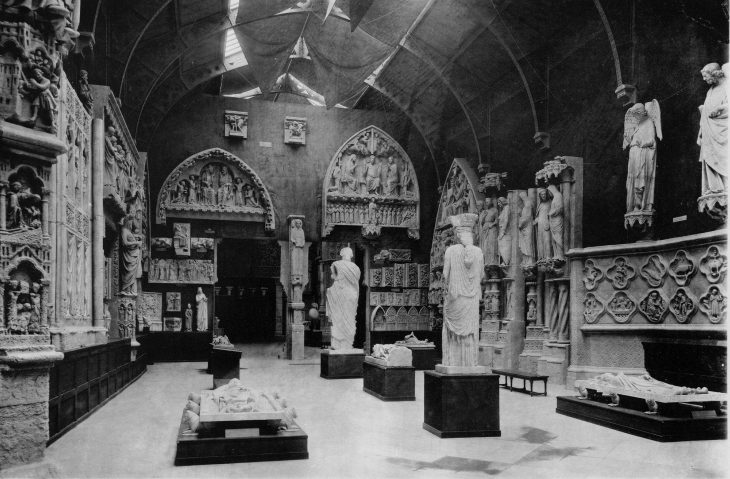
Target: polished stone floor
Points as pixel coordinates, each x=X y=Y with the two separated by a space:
x=353 y=434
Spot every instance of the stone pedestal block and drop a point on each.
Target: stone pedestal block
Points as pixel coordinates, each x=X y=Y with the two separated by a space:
x=425 y=358
x=225 y=364
x=341 y=364
x=554 y=361
x=389 y=383
x=297 y=341
x=528 y=362
x=490 y=355
x=461 y=405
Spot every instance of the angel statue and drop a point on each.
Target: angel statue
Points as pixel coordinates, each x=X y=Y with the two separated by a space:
x=642 y=127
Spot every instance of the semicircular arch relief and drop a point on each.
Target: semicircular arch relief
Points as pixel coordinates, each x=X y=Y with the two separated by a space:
x=215 y=184
x=371 y=183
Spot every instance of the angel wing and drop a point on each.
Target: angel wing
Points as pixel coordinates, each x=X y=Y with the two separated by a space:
x=631 y=124
x=652 y=109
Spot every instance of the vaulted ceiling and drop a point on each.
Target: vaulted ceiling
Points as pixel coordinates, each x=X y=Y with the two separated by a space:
x=446 y=64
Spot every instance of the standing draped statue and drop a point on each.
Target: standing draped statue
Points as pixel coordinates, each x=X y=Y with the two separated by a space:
x=505 y=234
x=342 y=300
x=642 y=126
x=542 y=220
x=527 y=231
x=201 y=305
x=462 y=276
x=131 y=260
x=296 y=237
x=488 y=226
x=555 y=215
x=713 y=131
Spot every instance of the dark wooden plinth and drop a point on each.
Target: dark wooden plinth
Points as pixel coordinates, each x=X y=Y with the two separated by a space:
x=225 y=364
x=389 y=383
x=340 y=366
x=276 y=446
x=461 y=405
x=638 y=423
x=425 y=359
x=313 y=338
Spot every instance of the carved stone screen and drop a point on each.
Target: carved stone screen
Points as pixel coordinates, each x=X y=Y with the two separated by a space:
x=371 y=183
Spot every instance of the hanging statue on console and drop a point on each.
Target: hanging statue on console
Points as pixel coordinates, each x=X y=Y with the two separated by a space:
x=712 y=139
x=642 y=127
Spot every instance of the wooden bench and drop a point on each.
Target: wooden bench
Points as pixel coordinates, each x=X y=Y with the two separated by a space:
x=525 y=376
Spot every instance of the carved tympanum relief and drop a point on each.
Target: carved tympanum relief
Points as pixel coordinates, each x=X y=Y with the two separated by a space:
x=592 y=275
x=182 y=271
x=654 y=306
x=683 y=305
x=621 y=307
x=593 y=307
x=714 y=304
x=682 y=267
x=621 y=273
x=371 y=183
x=654 y=271
x=713 y=265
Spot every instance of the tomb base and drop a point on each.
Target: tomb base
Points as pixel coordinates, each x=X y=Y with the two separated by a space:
x=341 y=364
x=225 y=364
x=243 y=444
x=650 y=426
x=461 y=405
x=389 y=383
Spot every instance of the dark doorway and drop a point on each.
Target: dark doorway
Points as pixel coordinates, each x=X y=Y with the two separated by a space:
x=246 y=294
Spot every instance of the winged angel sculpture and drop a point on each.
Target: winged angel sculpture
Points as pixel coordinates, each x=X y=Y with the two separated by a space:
x=642 y=127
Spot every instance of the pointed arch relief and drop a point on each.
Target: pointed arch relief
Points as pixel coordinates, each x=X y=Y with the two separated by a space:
x=371 y=183
x=215 y=184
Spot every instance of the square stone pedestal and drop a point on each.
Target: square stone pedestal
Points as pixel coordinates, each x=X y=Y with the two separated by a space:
x=554 y=361
x=425 y=357
x=461 y=405
x=225 y=364
x=389 y=383
x=341 y=364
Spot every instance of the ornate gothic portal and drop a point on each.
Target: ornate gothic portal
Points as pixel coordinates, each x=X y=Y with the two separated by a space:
x=371 y=183
x=215 y=184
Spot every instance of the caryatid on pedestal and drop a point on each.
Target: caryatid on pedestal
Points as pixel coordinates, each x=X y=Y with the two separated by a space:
x=712 y=139
x=342 y=300
x=462 y=276
x=642 y=127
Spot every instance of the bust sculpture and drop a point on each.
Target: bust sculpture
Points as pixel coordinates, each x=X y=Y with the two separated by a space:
x=342 y=300
x=462 y=275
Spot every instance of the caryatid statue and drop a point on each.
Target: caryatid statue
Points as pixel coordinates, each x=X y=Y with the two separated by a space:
x=342 y=300
x=462 y=276
x=505 y=235
x=642 y=127
x=712 y=137
x=526 y=231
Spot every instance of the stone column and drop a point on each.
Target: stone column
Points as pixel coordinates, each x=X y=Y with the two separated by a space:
x=45 y=211
x=3 y=205
x=516 y=326
x=97 y=240
x=295 y=276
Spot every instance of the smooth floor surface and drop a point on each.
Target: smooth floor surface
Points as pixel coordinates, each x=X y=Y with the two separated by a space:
x=353 y=434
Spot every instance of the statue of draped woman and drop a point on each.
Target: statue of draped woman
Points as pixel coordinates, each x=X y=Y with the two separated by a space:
x=642 y=127
x=504 y=239
x=555 y=216
x=526 y=231
x=712 y=137
x=462 y=276
x=542 y=221
x=201 y=305
x=488 y=229
x=342 y=300
x=131 y=260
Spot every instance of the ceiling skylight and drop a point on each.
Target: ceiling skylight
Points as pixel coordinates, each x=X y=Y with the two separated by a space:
x=246 y=94
x=232 y=53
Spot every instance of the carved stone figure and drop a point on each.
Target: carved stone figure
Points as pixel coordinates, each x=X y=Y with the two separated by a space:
x=642 y=127
x=555 y=216
x=504 y=238
x=714 y=265
x=462 y=275
x=130 y=264
x=621 y=273
x=392 y=181
x=201 y=305
x=488 y=232
x=621 y=307
x=712 y=138
x=714 y=304
x=342 y=300
x=42 y=93
x=542 y=220
x=181 y=239
x=189 y=318
x=683 y=305
x=592 y=308
x=682 y=267
x=654 y=306
x=526 y=231
x=653 y=271
x=592 y=275
x=236 y=124
x=296 y=238
x=295 y=130
x=373 y=175
x=85 y=95
x=643 y=383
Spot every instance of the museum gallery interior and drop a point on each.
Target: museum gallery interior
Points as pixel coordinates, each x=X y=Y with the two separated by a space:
x=363 y=238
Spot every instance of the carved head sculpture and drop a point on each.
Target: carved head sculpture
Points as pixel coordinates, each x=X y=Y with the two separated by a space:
x=200 y=290
x=297 y=224
x=542 y=194
x=639 y=111
x=502 y=202
x=16 y=186
x=346 y=253
x=35 y=287
x=712 y=73
x=463 y=225
x=480 y=205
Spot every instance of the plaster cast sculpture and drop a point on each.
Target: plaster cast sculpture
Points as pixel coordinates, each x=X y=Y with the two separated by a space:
x=131 y=258
x=411 y=340
x=542 y=220
x=682 y=268
x=463 y=272
x=236 y=124
x=526 y=231
x=295 y=130
x=654 y=271
x=714 y=304
x=505 y=234
x=621 y=307
x=181 y=239
x=714 y=265
x=201 y=305
x=296 y=238
x=712 y=139
x=621 y=273
x=555 y=215
x=683 y=305
x=488 y=231
x=342 y=300
x=592 y=308
x=189 y=318
x=644 y=383
x=393 y=355
x=235 y=398
x=642 y=127
x=221 y=341
x=654 y=306
x=592 y=275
